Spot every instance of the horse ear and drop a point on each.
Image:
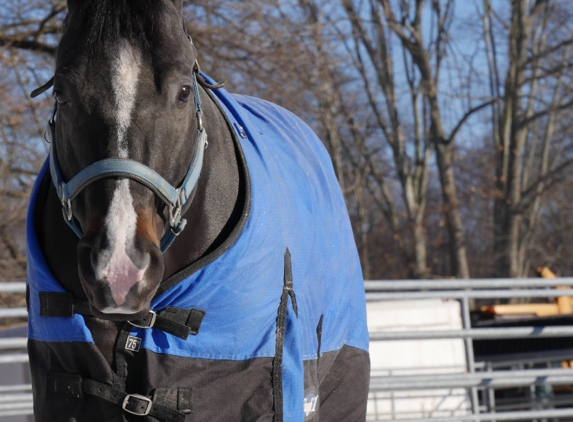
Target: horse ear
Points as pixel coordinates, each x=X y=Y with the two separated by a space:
x=43 y=88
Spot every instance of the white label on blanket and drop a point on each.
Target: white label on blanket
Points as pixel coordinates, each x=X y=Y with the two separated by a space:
x=133 y=344
x=310 y=402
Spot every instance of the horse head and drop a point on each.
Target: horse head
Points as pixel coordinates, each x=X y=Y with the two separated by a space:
x=124 y=90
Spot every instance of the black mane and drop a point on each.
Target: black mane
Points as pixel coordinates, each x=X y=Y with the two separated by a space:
x=105 y=21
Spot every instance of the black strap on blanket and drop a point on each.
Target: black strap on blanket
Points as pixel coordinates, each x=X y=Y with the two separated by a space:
x=281 y=328
x=62 y=305
x=166 y=404
x=176 y=321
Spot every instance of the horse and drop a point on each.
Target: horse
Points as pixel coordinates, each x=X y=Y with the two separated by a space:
x=190 y=256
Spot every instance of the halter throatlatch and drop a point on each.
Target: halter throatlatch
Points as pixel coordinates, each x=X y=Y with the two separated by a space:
x=174 y=198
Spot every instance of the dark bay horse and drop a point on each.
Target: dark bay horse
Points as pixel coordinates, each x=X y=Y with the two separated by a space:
x=204 y=268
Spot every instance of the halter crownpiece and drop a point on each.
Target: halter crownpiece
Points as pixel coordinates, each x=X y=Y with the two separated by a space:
x=174 y=198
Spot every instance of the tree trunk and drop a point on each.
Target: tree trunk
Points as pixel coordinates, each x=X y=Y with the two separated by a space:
x=457 y=246
x=429 y=69
x=507 y=215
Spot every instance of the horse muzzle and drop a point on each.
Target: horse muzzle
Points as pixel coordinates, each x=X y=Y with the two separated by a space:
x=119 y=282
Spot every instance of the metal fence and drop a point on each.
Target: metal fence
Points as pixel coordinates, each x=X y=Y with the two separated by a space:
x=15 y=399
x=481 y=379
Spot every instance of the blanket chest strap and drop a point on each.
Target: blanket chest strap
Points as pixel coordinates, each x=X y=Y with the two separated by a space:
x=176 y=321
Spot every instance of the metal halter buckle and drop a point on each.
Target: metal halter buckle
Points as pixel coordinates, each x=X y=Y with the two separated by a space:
x=67 y=208
x=175 y=211
x=151 y=324
x=138 y=397
x=200 y=120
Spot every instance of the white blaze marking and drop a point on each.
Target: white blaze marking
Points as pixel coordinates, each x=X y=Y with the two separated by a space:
x=124 y=77
x=121 y=219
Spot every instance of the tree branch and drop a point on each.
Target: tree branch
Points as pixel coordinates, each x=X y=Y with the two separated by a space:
x=545 y=179
x=466 y=116
x=27 y=45
x=543 y=113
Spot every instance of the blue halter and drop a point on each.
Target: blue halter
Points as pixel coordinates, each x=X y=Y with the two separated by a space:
x=174 y=198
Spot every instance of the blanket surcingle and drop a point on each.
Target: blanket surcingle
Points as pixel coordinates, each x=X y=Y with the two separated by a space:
x=274 y=321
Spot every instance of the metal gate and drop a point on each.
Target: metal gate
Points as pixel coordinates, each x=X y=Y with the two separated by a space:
x=480 y=379
x=15 y=390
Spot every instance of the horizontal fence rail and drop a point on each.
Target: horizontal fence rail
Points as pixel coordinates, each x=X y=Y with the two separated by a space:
x=12 y=287
x=528 y=415
x=476 y=334
x=13 y=313
x=500 y=379
x=474 y=283
x=14 y=358
x=13 y=343
x=17 y=399
x=468 y=294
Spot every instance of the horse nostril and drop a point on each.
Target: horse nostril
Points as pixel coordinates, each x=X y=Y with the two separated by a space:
x=145 y=261
x=141 y=259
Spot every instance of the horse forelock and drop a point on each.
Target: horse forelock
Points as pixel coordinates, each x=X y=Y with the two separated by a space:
x=106 y=21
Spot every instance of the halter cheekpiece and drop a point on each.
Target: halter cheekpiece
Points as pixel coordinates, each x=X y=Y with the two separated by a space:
x=174 y=198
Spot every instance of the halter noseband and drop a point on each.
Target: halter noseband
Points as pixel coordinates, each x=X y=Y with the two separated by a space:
x=174 y=198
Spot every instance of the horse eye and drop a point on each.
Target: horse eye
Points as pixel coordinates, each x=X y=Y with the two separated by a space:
x=60 y=97
x=184 y=94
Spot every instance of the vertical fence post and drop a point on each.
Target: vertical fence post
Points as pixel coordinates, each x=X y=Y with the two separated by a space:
x=392 y=399
x=489 y=393
x=533 y=399
x=466 y=324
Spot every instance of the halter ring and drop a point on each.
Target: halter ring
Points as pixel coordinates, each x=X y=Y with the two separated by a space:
x=200 y=120
x=175 y=212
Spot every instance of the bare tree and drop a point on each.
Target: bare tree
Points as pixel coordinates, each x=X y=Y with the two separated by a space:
x=536 y=92
x=368 y=76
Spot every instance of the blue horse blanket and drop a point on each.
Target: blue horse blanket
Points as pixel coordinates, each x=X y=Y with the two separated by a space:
x=295 y=203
